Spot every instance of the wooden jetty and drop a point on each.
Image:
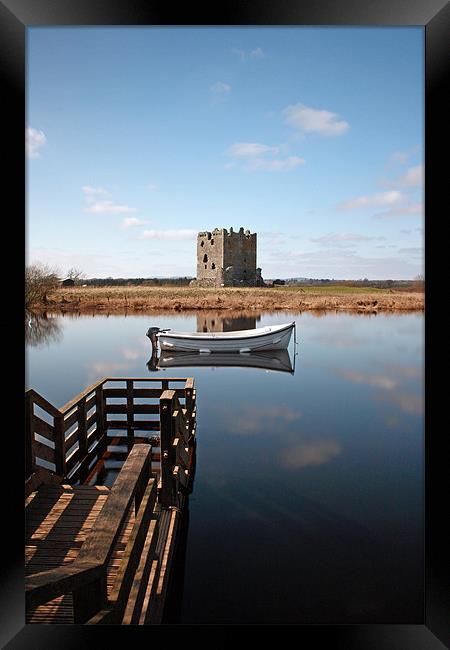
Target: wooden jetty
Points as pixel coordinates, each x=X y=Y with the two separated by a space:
x=97 y=554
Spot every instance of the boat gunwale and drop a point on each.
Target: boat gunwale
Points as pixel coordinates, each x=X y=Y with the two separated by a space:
x=212 y=336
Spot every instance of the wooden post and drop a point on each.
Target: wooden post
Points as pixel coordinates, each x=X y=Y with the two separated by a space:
x=188 y=392
x=166 y=402
x=60 y=447
x=100 y=420
x=29 y=435
x=89 y=599
x=82 y=433
x=130 y=431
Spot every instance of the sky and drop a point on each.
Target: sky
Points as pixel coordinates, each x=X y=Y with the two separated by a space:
x=137 y=138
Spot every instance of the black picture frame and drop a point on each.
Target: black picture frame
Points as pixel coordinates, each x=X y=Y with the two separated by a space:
x=434 y=15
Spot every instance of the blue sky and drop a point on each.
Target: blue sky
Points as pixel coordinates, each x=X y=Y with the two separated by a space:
x=138 y=138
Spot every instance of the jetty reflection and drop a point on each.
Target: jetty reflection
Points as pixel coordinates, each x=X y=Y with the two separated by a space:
x=270 y=360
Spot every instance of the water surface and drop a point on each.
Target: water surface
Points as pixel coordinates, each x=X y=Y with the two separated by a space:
x=308 y=495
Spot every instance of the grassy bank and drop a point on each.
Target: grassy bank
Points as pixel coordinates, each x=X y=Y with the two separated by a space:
x=147 y=299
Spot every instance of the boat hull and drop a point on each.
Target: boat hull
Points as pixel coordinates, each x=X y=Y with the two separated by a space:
x=270 y=338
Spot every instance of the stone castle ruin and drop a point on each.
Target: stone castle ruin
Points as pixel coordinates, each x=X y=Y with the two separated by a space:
x=227 y=259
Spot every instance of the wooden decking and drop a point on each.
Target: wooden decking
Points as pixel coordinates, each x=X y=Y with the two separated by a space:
x=98 y=554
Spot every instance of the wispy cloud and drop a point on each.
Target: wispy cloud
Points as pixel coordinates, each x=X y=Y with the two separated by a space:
x=34 y=141
x=248 y=149
x=168 y=234
x=97 y=205
x=275 y=165
x=269 y=419
x=306 y=454
x=312 y=120
x=152 y=186
x=220 y=88
x=376 y=200
x=412 y=178
x=90 y=191
x=131 y=222
x=108 y=207
x=379 y=381
x=395 y=212
x=255 y=156
x=244 y=55
x=344 y=239
x=401 y=157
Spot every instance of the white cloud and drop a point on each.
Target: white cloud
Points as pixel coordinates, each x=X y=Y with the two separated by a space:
x=168 y=234
x=152 y=186
x=245 y=149
x=381 y=199
x=220 y=88
x=34 y=141
x=130 y=222
x=312 y=120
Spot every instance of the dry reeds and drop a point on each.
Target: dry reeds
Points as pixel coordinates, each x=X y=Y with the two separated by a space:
x=149 y=299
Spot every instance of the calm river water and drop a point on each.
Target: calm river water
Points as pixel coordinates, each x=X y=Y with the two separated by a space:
x=308 y=496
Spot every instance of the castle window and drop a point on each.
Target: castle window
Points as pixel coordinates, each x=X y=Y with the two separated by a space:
x=209 y=235
x=212 y=242
x=206 y=266
x=202 y=243
x=205 y=259
x=213 y=266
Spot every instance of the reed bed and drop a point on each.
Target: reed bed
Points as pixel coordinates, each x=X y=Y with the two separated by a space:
x=150 y=299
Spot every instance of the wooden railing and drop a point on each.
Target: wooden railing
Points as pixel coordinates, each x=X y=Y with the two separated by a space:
x=85 y=577
x=68 y=441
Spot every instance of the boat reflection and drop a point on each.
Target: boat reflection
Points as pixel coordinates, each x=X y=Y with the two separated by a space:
x=270 y=360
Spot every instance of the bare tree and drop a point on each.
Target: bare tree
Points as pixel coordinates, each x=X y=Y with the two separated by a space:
x=75 y=274
x=40 y=279
x=419 y=282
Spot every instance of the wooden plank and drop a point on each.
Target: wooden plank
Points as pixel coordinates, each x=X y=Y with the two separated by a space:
x=87 y=391
x=180 y=453
x=167 y=404
x=43 y=403
x=43 y=452
x=99 y=546
x=82 y=432
x=138 y=589
x=132 y=554
x=143 y=425
x=43 y=428
x=69 y=420
x=29 y=458
x=150 y=592
x=136 y=408
x=60 y=451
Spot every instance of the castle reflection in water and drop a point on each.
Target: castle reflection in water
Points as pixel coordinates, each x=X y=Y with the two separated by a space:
x=220 y=323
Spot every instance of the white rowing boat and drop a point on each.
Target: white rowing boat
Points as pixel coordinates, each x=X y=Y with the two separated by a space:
x=273 y=337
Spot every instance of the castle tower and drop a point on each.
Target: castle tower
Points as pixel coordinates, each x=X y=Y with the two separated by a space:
x=227 y=258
